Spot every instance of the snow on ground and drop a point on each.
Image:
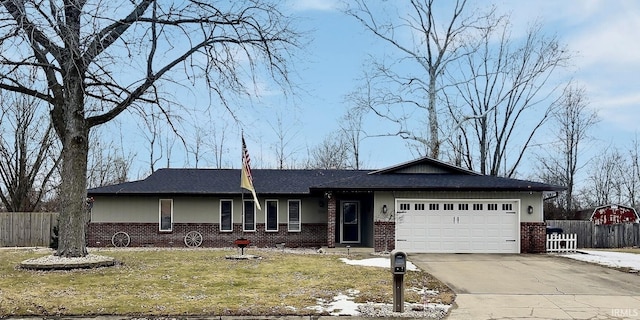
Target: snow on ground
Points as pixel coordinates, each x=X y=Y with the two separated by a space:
x=377 y=262
x=608 y=258
x=343 y=303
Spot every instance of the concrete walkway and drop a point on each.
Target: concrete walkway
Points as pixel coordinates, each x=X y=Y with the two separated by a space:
x=533 y=287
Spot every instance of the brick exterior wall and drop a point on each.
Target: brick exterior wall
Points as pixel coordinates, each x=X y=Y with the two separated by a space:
x=331 y=222
x=384 y=231
x=533 y=237
x=147 y=234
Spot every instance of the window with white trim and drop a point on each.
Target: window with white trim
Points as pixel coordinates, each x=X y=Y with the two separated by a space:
x=492 y=206
x=271 y=215
x=507 y=206
x=248 y=215
x=463 y=206
x=448 y=206
x=226 y=215
x=477 y=206
x=294 y=216
x=166 y=215
x=434 y=206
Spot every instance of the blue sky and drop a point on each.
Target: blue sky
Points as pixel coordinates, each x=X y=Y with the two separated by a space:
x=604 y=35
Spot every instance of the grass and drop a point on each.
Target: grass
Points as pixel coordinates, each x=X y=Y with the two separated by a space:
x=198 y=282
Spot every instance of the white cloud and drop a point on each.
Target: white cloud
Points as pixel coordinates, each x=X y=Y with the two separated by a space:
x=314 y=5
x=619 y=110
x=610 y=41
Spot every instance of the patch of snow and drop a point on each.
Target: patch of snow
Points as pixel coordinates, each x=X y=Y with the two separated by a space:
x=608 y=258
x=343 y=305
x=377 y=262
x=424 y=291
x=413 y=311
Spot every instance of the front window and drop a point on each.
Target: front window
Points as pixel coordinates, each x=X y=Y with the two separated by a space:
x=226 y=215
x=294 y=216
x=271 y=215
x=166 y=214
x=249 y=216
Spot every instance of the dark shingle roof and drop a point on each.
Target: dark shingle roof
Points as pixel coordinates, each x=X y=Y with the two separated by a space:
x=226 y=181
x=268 y=181
x=435 y=182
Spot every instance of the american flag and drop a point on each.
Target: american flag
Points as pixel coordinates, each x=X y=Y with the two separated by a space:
x=246 y=162
x=246 y=180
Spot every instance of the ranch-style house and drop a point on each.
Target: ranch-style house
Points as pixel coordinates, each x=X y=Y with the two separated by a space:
x=423 y=205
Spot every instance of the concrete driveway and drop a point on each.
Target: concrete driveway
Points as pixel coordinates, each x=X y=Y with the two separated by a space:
x=495 y=286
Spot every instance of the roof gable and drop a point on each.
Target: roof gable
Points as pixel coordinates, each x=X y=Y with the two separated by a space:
x=425 y=165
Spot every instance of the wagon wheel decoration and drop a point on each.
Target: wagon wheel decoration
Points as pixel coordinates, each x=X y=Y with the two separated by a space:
x=120 y=239
x=193 y=239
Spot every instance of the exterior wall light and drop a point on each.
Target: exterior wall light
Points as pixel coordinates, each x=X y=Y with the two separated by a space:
x=530 y=209
x=384 y=209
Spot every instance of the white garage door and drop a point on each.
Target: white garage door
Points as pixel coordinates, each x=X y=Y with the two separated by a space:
x=457 y=226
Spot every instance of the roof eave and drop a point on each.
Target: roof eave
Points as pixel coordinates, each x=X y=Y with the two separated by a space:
x=448 y=188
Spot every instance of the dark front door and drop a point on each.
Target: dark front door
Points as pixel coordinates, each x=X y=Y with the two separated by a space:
x=350 y=222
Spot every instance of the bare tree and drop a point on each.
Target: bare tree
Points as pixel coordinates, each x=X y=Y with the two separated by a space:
x=283 y=148
x=503 y=96
x=604 y=182
x=198 y=147
x=219 y=144
x=95 y=60
x=630 y=173
x=572 y=120
x=331 y=153
x=426 y=47
x=152 y=133
x=28 y=153
x=107 y=162
x=351 y=126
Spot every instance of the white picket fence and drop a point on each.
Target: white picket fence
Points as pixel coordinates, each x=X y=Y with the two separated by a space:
x=562 y=242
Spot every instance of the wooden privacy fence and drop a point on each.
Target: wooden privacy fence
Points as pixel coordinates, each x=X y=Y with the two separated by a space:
x=600 y=236
x=561 y=242
x=27 y=229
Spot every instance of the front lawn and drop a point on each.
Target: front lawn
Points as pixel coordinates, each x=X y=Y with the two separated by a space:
x=201 y=282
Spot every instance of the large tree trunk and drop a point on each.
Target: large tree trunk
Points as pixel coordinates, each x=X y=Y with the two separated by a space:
x=69 y=120
x=72 y=221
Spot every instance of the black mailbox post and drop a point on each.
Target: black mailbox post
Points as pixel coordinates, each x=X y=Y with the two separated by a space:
x=398 y=268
